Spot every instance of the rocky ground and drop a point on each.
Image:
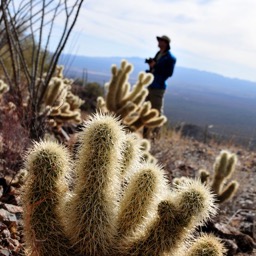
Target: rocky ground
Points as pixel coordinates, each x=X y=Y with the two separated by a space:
x=11 y=226
x=235 y=223
x=236 y=220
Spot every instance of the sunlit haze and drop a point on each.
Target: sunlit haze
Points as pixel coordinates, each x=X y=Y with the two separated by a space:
x=213 y=35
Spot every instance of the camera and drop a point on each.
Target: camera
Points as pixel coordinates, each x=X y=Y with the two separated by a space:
x=149 y=60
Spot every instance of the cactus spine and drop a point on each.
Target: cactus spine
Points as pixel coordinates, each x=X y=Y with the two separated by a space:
x=224 y=167
x=97 y=217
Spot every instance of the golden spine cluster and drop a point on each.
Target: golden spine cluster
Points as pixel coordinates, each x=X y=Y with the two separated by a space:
x=97 y=216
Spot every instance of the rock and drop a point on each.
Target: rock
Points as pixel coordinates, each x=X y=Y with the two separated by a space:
x=7 y=217
x=230 y=246
x=247 y=228
x=2 y=226
x=14 y=245
x=247 y=204
x=4 y=252
x=6 y=233
x=244 y=242
x=13 y=208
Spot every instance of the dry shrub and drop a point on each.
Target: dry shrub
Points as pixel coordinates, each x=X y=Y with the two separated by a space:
x=14 y=139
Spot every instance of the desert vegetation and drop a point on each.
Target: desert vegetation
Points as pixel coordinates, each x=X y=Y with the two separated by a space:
x=129 y=103
x=144 y=217
x=77 y=178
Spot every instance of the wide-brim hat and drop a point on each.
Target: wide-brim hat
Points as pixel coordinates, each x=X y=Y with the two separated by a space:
x=164 y=38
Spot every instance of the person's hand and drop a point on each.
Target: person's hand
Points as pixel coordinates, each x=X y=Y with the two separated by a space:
x=152 y=64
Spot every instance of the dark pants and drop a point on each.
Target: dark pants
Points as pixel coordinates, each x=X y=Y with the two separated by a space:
x=156 y=97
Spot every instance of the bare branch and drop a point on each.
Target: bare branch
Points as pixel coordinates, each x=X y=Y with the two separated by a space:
x=32 y=22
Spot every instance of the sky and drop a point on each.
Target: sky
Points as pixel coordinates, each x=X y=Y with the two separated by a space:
x=212 y=35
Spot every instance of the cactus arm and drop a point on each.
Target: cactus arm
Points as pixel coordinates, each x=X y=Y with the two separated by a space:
x=204 y=176
x=93 y=207
x=156 y=122
x=207 y=245
x=126 y=110
x=228 y=192
x=192 y=206
x=140 y=199
x=47 y=164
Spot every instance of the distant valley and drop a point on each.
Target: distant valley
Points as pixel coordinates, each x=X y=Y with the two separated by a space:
x=193 y=96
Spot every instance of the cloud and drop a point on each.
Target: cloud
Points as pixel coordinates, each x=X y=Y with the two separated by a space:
x=216 y=34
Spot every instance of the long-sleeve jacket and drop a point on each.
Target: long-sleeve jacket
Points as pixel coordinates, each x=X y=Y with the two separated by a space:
x=162 y=70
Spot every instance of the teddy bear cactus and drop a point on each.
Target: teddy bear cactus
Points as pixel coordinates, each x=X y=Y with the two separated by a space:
x=129 y=103
x=100 y=214
x=224 y=168
x=61 y=104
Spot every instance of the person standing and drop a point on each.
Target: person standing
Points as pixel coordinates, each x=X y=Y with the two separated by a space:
x=162 y=67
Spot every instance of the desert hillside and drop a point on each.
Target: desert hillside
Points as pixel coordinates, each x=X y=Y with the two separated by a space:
x=235 y=222
x=94 y=161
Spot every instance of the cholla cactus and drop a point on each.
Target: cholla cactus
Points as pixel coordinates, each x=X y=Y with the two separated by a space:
x=61 y=104
x=145 y=116
x=224 y=167
x=129 y=103
x=99 y=216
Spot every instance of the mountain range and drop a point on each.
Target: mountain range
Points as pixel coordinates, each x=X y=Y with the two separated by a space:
x=193 y=96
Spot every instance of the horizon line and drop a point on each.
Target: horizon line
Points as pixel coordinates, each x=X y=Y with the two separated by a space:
x=137 y=57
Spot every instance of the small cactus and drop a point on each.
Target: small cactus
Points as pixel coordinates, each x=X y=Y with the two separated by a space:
x=129 y=103
x=206 y=245
x=60 y=104
x=55 y=93
x=224 y=167
x=146 y=117
x=97 y=216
